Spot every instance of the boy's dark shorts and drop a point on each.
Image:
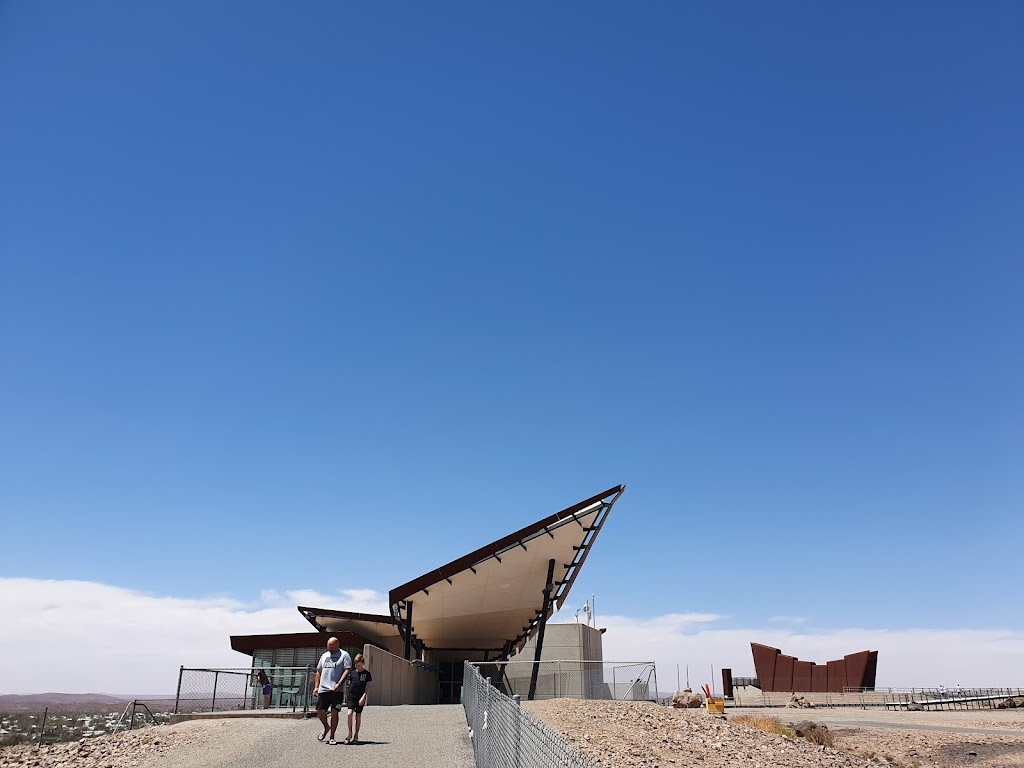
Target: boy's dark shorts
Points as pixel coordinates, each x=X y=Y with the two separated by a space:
x=353 y=704
x=330 y=699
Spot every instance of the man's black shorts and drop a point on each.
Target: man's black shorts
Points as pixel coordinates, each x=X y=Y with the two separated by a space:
x=327 y=699
x=353 y=704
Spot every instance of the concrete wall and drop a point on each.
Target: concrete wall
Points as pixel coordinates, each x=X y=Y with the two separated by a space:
x=396 y=681
x=566 y=642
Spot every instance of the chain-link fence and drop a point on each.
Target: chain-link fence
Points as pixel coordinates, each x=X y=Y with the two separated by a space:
x=505 y=735
x=610 y=680
x=219 y=690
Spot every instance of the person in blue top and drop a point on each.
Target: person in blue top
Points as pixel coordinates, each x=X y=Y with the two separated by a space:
x=331 y=673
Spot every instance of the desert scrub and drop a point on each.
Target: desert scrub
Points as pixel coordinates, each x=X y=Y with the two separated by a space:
x=765 y=723
x=820 y=735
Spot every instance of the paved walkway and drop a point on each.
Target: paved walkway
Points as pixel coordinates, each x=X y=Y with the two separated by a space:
x=417 y=736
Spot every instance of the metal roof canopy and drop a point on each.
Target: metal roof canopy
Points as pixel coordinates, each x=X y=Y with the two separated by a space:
x=369 y=624
x=492 y=599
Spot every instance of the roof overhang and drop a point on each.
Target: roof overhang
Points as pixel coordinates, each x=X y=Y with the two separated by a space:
x=372 y=625
x=492 y=599
x=251 y=643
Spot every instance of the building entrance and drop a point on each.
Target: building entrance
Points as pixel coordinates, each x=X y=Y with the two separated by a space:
x=450 y=682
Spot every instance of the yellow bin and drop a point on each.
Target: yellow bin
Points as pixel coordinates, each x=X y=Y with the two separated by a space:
x=716 y=706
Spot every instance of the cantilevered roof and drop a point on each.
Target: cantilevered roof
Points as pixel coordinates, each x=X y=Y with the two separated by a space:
x=492 y=599
x=369 y=624
x=251 y=643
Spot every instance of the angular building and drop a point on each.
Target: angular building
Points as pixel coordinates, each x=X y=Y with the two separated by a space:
x=483 y=606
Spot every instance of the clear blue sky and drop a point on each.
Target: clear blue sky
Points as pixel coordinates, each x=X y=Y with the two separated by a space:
x=270 y=272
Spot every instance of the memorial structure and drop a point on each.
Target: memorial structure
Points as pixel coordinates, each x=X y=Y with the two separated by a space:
x=778 y=672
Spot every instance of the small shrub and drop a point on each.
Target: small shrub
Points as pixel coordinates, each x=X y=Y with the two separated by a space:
x=765 y=723
x=819 y=735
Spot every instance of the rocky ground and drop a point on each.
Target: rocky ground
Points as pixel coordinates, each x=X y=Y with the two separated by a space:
x=124 y=750
x=619 y=734
x=632 y=734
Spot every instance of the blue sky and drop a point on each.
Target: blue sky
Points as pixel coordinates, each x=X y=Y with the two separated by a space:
x=271 y=274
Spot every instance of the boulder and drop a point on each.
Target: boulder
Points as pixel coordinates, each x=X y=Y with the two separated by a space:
x=687 y=699
x=806 y=726
x=797 y=701
x=915 y=706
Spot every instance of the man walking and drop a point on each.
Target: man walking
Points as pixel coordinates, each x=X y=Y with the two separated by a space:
x=331 y=672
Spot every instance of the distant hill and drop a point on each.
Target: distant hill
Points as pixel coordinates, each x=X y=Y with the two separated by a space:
x=67 y=702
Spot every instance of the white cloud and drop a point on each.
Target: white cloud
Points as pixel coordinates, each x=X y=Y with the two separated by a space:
x=77 y=636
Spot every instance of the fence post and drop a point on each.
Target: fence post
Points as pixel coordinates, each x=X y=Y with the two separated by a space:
x=614 y=694
x=518 y=712
x=177 y=696
x=305 y=690
x=213 y=702
x=43 y=726
x=484 y=726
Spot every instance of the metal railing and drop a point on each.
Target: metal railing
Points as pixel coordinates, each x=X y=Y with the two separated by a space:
x=224 y=689
x=960 y=698
x=608 y=680
x=899 y=698
x=504 y=735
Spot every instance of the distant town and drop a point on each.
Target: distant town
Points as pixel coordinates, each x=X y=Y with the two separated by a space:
x=62 y=717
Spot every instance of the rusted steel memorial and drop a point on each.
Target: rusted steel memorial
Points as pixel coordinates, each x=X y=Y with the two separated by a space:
x=778 y=672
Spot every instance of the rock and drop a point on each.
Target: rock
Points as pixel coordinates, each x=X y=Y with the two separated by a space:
x=915 y=706
x=798 y=702
x=805 y=726
x=686 y=699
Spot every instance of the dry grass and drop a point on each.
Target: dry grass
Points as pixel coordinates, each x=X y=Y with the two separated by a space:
x=817 y=735
x=764 y=723
x=821 y=736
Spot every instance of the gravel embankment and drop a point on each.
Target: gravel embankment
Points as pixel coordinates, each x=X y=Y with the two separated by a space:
x=121 y=751
x=633 y=734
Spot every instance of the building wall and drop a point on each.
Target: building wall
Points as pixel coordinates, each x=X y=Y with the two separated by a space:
x=566 y=642
x=396 y=681
x=570 y=645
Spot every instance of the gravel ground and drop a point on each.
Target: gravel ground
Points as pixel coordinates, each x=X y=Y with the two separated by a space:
x=913 y=739
x=630 y=734
x=619 y=734
x=427 y=736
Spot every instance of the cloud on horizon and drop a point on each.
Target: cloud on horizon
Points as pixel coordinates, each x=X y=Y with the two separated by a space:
x=124 y=641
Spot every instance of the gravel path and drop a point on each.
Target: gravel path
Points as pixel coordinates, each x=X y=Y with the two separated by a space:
x=428 y=736
x=979 y=723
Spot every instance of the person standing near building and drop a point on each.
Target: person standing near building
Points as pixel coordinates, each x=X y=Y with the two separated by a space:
x=358 y=693
x=331 y=673
x=267 y=687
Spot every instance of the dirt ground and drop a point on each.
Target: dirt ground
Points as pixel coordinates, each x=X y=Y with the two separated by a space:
x=630 y=734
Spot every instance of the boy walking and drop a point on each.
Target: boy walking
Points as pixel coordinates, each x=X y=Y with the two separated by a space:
x=358 y=693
